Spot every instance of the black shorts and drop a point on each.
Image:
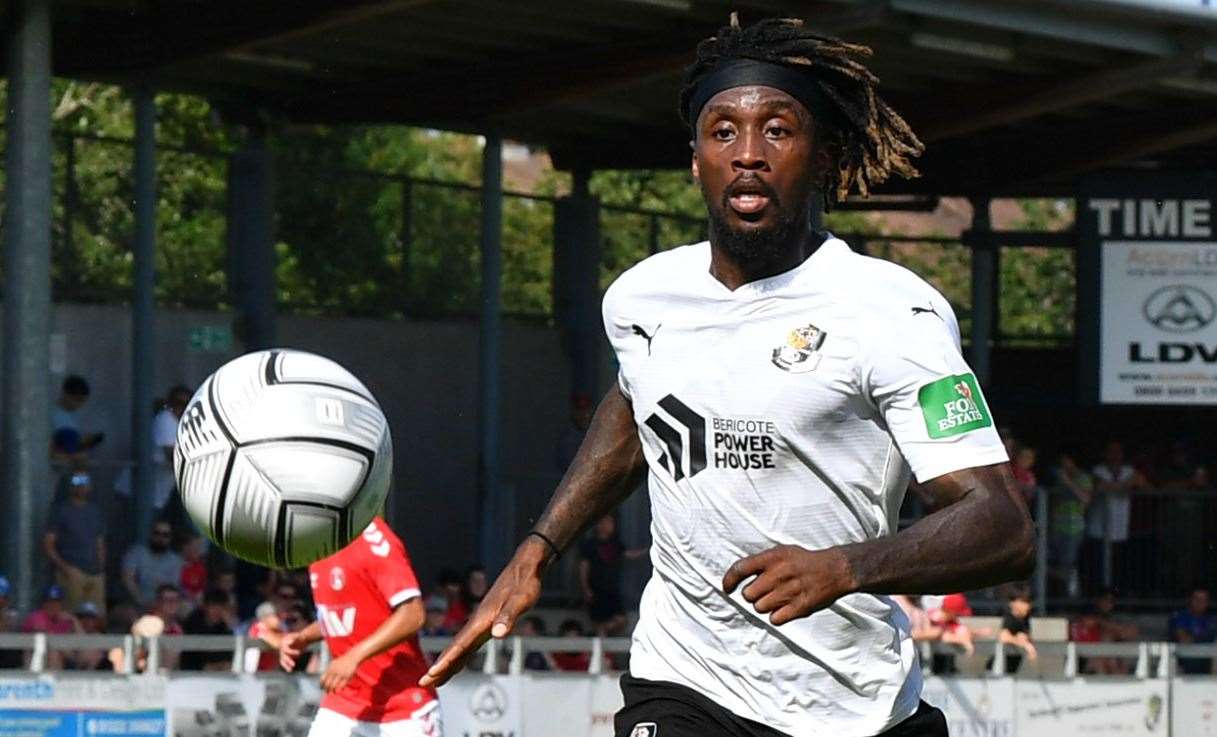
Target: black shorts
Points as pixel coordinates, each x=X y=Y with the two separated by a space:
x=661 y=709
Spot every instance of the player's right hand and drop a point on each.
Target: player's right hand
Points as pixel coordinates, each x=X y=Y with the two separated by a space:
x=514 y=592
x=290 y=648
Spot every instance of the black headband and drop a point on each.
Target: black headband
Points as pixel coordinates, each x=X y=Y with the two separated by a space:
x=747 y=72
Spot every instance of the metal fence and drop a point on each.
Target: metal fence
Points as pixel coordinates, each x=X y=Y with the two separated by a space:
x=159 y=654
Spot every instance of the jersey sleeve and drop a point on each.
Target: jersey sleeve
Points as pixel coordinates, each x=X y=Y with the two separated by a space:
x=392 y=574
x=617 y=330
x=930 y=400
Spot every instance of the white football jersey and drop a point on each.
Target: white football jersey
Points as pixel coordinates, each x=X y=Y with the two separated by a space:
x=788 y=411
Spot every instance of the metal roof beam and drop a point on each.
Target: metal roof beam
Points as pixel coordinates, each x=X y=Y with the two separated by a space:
x=1011 y=106
x=1071 y=27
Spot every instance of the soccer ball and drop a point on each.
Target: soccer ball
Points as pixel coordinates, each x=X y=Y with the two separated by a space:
x=282 y=457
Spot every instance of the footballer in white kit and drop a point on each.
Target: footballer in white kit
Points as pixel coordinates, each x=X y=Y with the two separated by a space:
x=779 y=391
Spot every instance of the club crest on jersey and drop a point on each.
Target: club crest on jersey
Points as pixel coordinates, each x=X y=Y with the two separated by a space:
x=644 y=729
x=800 y=353
x=338 y=578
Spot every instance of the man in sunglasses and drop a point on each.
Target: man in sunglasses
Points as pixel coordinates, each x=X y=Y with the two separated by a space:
x=75 y=543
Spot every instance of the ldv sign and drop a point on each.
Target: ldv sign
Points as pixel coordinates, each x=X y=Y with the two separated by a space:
x=1154 y=248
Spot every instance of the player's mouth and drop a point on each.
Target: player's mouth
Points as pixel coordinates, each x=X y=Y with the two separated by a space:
x=749 y=197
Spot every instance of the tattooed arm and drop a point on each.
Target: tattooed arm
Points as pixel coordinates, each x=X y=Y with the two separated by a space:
x=606 y=469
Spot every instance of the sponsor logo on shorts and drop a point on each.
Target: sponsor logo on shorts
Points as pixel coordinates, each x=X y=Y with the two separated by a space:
x=644 y=729
x=953 y=405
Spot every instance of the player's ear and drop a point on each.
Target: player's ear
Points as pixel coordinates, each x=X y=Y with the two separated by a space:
x=693 y=166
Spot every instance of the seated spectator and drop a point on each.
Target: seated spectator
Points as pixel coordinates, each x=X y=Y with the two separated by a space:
x=194 y=570
x=920 y=627
x=10 y=621
x=91 y=623
x=450 y=588
x=294 y=619
x=1016 y=629
x=475 y=587
x=437 y=610
x=147 y=567
x=1099 y=623
x=1194 y=624
x=212 y=618
x=264 y=635
x=69 y=443
x=534 y=626
x=168 y=606
x=601 y=559
x=51 y=618
x=75 y=544
x=571 y=661
x=954 y=632
x=146 y=627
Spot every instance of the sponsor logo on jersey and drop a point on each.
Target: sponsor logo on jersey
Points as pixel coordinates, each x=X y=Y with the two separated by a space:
x=953 y=405
x=733 y=443
x=338 y=578
x=799 y=354
x=376 y=541
x=334 y=622
x=644 y=729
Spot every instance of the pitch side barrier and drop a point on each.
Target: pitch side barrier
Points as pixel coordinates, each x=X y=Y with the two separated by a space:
x=499 y=697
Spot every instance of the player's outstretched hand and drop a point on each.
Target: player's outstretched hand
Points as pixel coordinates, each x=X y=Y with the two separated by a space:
x=791 y=582
x=290 y=647
x=514 y=592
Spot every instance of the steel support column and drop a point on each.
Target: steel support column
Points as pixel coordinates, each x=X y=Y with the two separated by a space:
x=984 y=289
x=491 y=517
x=27 y=291
x=143 y=317
x=251 y=244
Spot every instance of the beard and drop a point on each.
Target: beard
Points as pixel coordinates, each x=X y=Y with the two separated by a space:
x=757 y=247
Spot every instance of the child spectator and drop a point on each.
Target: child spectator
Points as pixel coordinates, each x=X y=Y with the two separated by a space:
x=534 y=626
x=264 y=634
x=450 y=588
x=1016 y=629
x=212 y=618
x=572 y=661
x=436 y=613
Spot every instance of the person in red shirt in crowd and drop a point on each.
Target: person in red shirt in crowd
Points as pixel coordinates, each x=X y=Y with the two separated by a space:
x=954 y=632
x=194 y=571
x=369 y=610
x=53 y=620
x=267 y=630
x=452 y=590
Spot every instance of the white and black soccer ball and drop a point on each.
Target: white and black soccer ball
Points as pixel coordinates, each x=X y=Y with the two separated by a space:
x=283 y=457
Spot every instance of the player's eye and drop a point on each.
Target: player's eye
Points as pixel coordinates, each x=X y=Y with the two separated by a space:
x=777 y=131
x=724 y=133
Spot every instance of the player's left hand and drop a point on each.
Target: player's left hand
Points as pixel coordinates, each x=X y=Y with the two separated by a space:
x=341 y=671
x=791 y=582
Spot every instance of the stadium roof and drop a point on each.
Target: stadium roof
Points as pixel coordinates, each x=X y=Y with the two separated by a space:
x=1012 y=97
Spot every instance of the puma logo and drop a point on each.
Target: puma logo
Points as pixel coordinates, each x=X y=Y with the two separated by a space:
x=642 y=333
x=930 y=309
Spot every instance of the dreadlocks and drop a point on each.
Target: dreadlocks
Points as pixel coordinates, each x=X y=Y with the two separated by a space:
x=871 y=140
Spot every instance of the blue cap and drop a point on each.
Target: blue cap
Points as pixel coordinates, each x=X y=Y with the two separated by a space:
x=52 y=592
x=5 y=587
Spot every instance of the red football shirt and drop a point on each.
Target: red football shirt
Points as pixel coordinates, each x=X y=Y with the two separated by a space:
x=355 y=590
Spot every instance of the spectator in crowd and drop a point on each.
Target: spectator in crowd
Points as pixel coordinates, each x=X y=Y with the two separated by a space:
x=1016 y=628
x=571 y=661
x=164 y=436
x=1099 y=623
x=450 y=588
x=1194 y=624
x=1109 y=512
x=294 y=619
x=212 y=618
x=1023 y=469
x=10 y=621
x=146 y=567
x=51 y=618
x=601 y=557
x=264 y=634
x=954 y=632
x=167 y=606
x=475 y=587
x=194 y=570
x=1182 y=533
x=436 y=607
x=68 y=442
x=143 y=629
x=91 y=623
x=534 y=626
x=921 y=629
x=1067 y=522
x=75 y=544
x=572 y=437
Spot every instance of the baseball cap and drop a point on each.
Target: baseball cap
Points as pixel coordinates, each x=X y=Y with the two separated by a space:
x=52 y=593
x=957 y=604
x=437 y=603
x=87 y=609
x=5 y=587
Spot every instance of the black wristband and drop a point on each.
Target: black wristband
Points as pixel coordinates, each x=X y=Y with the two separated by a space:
x=550 y=543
